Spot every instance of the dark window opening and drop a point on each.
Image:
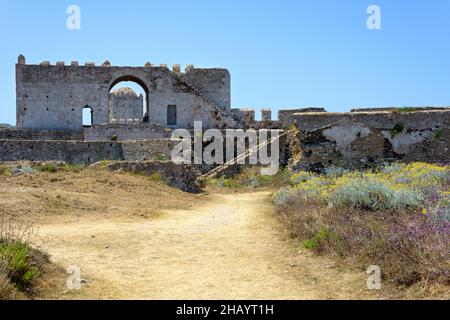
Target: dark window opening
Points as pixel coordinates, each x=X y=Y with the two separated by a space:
x=172 y=115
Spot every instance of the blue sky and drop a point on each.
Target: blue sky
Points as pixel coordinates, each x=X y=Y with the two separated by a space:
x=281 y=54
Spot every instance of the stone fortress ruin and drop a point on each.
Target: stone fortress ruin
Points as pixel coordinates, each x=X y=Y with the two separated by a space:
x=71 y=112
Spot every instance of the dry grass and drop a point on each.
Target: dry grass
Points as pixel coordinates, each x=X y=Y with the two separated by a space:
x=94 y=193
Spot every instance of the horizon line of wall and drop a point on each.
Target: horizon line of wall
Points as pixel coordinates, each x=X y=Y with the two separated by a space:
x=176 y=68
x=249 y=114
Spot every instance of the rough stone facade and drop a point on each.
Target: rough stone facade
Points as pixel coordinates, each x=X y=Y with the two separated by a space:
x=126 y=132
x=52 y=97
x=124 y=104
x=183 y=177
x=368 y=139
x=85 y=152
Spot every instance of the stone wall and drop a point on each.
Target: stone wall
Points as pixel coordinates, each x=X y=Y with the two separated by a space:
x=160 y=149
x=84 y=152
x=213 y=84
x=126 y=132
x=366 y=140
x=183 y=177
x=67 y=151
x=52 y=97
x=26 y=134
x=125 y=107
x=286 y=117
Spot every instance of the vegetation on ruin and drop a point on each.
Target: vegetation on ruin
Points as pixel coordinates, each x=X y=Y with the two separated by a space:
x=397 y=218
x=406 y=109
x=398 y=128
x=438 y=133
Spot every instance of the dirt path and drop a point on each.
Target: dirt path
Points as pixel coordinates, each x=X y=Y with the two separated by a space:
x=232 y=247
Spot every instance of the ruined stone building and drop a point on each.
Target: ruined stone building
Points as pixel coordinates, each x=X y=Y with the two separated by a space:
x=72 y=112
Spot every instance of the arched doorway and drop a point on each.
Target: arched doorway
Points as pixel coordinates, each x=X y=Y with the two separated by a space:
x=124 y=93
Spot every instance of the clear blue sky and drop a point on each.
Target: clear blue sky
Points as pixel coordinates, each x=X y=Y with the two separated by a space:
x=281 y=54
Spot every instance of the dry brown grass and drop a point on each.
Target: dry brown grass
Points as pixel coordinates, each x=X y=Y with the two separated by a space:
x=93 y=193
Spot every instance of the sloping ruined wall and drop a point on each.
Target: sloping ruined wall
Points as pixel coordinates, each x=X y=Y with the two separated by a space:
x=365 y=140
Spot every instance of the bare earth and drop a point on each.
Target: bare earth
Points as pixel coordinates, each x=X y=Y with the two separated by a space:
x=138 y=239
x=232 y=247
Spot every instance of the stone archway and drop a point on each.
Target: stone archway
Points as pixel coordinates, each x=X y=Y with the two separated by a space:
x=142 y=84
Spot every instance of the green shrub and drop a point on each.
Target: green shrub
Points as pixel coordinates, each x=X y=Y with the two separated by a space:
x=406 y=109
x=398 y=128
x=5 y=170
x=161 y=157
x=73 y=167
x=156 y=177
x=335 y=172
x=114 y=137
x=372 y=194
x=48 y=167
x=17 y=257
x=230 y=183
x=438 y=133
x=302 y=176
x=316 y=241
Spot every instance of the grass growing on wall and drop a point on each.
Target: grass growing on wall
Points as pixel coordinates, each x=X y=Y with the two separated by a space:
x=397 y=218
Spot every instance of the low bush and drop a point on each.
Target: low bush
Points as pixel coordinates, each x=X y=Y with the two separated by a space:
x=156 y=177
x=47 y=167
x=5 y=170
x=397 y=218
x=250 y=178
x=20 y=264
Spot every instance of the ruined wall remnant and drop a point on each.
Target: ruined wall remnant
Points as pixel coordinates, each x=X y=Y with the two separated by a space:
x=183 y=177
x=52 y=97
x=45 y=135
x=365 y=140
x=287 y=116
x=83 y=151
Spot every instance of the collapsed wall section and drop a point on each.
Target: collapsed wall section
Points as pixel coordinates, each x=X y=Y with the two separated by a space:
x=368 y=139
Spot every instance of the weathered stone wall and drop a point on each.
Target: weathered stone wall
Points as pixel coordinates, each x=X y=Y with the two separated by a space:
x=84 y=152
x=160 y=149
x=26 y=134
x=52 y=97
x=67 y=151
x=183 y=177
x=286 y=117
x=213 y=84
x=365 y=140
x=125 y=107
x=382 y=120
x=126 y=132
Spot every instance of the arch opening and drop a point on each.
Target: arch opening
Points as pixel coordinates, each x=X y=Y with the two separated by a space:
x=128 y=100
